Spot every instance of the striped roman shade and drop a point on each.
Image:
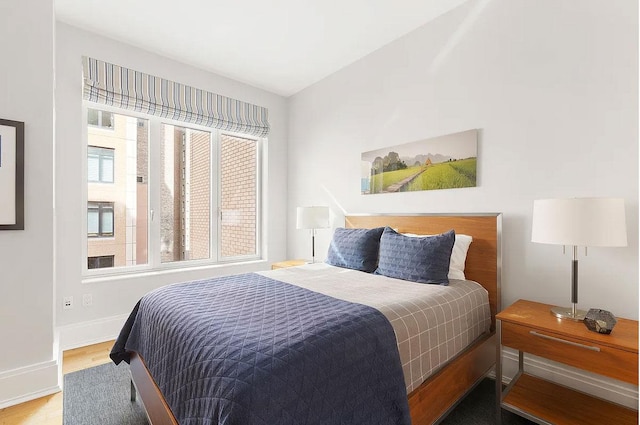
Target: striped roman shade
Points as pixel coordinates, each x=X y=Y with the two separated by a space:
x=125 y=88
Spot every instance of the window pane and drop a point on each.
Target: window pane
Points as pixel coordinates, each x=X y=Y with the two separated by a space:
x=107 y=170
x=107 y=119
x=93 y=226
x=100 y=262
x=107 y=222
x=238 y=171
x=185 y=194
x=93 y=167
x=93 y=117
x=122 y=158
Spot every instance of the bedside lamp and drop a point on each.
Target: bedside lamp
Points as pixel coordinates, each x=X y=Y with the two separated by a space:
x=578 y=222
x=313 y=218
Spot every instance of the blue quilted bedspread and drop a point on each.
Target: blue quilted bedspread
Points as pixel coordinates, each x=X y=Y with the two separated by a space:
x=247 y=349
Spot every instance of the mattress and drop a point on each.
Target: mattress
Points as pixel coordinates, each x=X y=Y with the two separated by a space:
x=432 y=323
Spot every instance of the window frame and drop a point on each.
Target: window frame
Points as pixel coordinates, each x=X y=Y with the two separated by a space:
x=101 y=207
x=154 y=263
x=101 y=164
x=154 y=175
x=98 y=258
x=100 y=111
x=258 y=241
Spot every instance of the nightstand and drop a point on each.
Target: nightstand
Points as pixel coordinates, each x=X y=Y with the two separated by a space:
x=529 y=327
x=287 y=263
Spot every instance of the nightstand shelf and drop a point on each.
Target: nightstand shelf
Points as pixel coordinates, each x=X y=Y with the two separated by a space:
x=530 y=327
x=287 y=263
x=545 y=402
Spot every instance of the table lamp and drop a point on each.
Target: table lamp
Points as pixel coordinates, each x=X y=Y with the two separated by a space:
x=578 y=222
x=313 y=218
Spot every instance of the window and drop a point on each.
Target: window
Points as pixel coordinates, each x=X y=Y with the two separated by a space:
x=101 y=119
x=185 y=200
x=100 y=262
x=181 y=195
x=100 y=164
x=238 y=201
x=118 y=210
x=100 y=219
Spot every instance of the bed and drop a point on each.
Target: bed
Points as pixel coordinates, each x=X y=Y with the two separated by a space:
x=428 y=400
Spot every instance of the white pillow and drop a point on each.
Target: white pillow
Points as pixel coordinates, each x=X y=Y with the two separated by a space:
x=458 y=254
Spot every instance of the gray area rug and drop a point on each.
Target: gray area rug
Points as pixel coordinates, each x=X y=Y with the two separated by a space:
x=100 y=396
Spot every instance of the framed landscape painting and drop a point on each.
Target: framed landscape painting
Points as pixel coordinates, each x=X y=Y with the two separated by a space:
x=11 y=175
x=444 y=162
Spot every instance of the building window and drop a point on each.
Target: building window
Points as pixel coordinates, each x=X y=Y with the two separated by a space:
x=100 y=164
x=101 y=262
x=100 y=219
x=200 y=202
x=102 y=119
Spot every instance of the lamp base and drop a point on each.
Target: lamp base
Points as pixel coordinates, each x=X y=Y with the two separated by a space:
x=567 y=313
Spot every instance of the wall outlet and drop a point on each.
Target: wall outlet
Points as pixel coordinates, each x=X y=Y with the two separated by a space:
x=67 y=303
x=87 y=300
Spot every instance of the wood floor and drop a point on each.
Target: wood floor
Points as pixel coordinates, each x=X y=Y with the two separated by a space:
x=48 y=410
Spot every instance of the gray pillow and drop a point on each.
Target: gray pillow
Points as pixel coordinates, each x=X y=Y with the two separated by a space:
x=355 y=248
x=423 y=260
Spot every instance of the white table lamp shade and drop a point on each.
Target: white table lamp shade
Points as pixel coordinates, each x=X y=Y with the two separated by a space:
x=579 y=222
x=312 y=217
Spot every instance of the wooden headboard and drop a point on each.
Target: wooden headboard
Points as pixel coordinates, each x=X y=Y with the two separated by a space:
x=484 y=258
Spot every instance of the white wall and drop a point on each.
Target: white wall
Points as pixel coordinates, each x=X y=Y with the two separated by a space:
x=28 y=364
x=113 y=299
x=552 y=85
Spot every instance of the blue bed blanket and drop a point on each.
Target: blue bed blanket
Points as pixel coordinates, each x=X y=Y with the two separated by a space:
x=247 y=349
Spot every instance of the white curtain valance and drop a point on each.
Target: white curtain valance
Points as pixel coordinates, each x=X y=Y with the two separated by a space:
x=121 y=87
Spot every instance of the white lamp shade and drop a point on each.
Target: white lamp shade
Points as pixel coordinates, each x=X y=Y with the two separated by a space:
x=313 y=217
x=579 y=222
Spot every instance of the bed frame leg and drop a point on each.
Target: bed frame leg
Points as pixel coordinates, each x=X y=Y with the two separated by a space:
x=133 y=392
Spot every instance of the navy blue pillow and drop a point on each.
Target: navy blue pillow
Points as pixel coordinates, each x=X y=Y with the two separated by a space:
x=355 y=248
x=423 y=260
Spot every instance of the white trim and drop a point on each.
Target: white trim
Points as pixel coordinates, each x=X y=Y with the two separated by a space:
x=90 y=332
x=597 y=385
x=26 y=383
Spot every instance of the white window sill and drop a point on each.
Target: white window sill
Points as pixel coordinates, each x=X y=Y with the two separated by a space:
x=132 y=274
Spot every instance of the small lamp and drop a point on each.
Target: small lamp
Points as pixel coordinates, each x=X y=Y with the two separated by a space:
x=313 y=218
x=578 y=222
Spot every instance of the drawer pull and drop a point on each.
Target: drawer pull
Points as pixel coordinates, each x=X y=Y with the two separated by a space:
x=564 y=341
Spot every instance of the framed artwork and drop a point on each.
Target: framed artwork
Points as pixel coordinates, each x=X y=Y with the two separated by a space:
x=444 y=162
x=11 y=175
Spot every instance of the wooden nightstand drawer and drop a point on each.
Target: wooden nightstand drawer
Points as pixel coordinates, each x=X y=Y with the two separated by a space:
x=587 y=355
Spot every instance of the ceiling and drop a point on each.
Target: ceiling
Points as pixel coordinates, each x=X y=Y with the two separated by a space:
x=281 y=46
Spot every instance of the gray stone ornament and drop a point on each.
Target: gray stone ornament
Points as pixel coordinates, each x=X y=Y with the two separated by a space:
x=601 y=321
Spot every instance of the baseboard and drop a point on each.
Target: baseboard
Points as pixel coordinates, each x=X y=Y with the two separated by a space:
x=42 y=379
x=609 y=389
x=26 y=383
x=90 y=332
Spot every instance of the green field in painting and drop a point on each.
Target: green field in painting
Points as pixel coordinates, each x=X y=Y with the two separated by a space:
x=380 y=182
x=446 y=175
